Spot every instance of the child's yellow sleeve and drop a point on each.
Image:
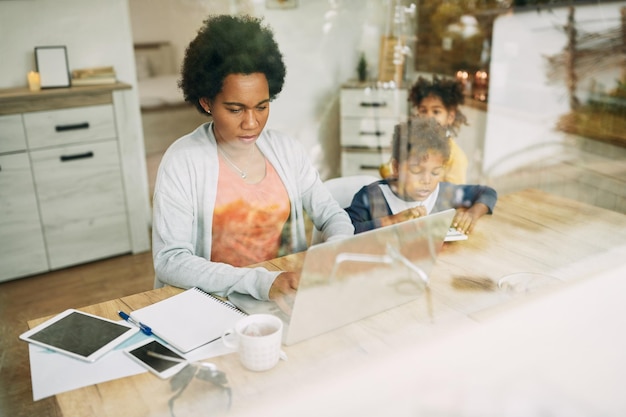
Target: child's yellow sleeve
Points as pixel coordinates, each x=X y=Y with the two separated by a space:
x=456 y=171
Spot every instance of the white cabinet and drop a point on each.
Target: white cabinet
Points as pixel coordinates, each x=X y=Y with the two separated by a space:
x=368 y=118
x=81 y=198
x=12 y=135
x=69 y=189
x=23 y=250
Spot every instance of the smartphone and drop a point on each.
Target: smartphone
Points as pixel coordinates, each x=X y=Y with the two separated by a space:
x=158 y=358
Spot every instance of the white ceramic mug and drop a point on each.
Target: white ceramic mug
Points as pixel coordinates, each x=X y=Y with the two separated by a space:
x=258 y=339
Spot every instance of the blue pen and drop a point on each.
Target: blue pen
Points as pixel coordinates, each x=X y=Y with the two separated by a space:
x=129 y=319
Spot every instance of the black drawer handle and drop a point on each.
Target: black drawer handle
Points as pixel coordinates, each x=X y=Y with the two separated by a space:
x=65 y=158
x=369 y=167
x=374 y=133
x=373 y=104
x=63 y=128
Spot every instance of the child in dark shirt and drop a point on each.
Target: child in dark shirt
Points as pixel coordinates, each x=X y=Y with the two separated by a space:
x=420 y=152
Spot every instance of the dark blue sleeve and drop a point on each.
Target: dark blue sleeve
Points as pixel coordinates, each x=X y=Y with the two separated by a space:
x=360 y=212
x=455 y=196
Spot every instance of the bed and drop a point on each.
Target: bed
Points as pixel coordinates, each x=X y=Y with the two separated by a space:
x=164 y=113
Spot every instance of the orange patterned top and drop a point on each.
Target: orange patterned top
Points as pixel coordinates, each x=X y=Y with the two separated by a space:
x=248 y=220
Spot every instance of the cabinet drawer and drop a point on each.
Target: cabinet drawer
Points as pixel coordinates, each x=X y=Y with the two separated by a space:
x=23 y=250
x=363 y=162
x=374 y=102
x=370 y=133
x=69 y=126
x=82 y=202
x=12 y=136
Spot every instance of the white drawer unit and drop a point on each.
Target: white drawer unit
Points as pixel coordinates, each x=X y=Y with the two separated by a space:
x=82 y=203
x=368 y=118
x=12 y=135
x=363 y=161
x=70 y=191
x=23 y=249
x=366 y=132
x=370 y=102
x=67 y=126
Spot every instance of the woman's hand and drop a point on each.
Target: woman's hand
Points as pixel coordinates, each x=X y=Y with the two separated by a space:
x=283 y=290
x=465 y=219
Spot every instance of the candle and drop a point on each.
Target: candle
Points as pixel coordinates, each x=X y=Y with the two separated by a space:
x=34 y=82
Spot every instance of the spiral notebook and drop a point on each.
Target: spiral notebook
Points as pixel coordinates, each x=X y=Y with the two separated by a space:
x=190 y=319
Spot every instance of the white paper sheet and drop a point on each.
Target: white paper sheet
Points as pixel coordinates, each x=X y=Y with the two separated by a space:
x=53 y=373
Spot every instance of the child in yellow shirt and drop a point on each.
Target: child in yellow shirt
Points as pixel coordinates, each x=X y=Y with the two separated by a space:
x=440 y=99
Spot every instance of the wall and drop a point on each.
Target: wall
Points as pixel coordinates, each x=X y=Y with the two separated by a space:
x=320 y=41
x=523 y=106
x=95 y=33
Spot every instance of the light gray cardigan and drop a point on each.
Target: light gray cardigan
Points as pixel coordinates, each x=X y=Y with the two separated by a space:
x=184 y=201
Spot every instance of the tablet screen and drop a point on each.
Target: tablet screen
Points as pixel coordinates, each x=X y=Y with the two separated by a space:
x=79 y=334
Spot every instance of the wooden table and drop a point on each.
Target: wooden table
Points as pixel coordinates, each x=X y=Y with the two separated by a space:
x=531 y=231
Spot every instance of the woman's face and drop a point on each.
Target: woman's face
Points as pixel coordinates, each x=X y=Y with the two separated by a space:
x=433 y=107
x=240 y=111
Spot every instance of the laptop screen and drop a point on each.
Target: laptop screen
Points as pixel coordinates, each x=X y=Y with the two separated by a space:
x=350 y=279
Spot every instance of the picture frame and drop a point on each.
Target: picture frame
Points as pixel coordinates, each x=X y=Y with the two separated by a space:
x=52 y=66
x=281 y=4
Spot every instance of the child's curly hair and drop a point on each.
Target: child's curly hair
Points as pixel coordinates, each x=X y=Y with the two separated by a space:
x=417 y=137
x=227 y=45
x=450 y=91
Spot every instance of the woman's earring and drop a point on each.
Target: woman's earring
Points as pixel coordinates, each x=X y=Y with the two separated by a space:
x=205 y=105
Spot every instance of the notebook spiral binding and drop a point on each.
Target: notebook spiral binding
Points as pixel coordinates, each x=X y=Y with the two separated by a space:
x=219 y=300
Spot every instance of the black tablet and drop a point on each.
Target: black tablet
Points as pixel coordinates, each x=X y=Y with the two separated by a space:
x=80 y=335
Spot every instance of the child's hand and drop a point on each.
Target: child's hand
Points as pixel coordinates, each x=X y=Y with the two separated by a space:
x=408 y=214
x=465 y=218
x=414 y=213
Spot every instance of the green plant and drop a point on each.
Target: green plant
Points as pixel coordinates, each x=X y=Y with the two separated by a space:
x=361 y=67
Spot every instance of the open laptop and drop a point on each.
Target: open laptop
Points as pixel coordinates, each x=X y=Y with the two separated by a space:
x=345 y=281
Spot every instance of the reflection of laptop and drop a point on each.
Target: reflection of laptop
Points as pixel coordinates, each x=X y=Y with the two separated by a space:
x=347 y=280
